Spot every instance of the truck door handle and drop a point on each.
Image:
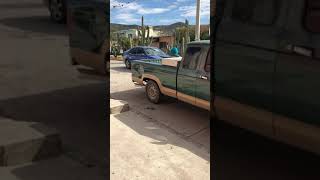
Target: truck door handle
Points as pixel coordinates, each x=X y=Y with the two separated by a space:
x=203 y=77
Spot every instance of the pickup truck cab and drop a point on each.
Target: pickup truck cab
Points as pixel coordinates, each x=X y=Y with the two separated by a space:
x=267 y=68
x=187 y=79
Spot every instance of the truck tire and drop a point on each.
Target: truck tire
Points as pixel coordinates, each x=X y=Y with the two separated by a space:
x=153 y=92
x=128 y=64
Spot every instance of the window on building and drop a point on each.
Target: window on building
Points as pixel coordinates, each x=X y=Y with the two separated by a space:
x=312 y=16
x=162 y=45
x=191 y=58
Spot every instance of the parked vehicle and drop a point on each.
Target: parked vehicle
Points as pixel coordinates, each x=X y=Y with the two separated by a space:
x=88 y=30
x=267 y=68
x=57 y=9
x=187 y=80
x=142 y=52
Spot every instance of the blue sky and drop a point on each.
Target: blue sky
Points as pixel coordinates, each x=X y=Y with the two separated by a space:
x=157 y=12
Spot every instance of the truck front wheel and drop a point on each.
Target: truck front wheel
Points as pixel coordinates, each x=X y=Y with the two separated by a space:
x=153 y=92
x=128 y=64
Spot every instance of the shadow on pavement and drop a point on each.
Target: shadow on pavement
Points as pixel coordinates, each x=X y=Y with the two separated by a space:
x=78 y=113
x=37 y=24
x=121 y=69
x=179 y=118
x=158 y=133
x=21 y=5
x=61 y=168
x=239 y=154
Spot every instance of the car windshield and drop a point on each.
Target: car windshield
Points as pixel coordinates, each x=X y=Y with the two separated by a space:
x=155 y=52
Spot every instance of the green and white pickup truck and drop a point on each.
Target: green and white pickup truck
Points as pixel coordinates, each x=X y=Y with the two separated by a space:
x=187 y=79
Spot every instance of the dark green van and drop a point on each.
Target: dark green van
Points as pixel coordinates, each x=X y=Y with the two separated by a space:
x=267 y=68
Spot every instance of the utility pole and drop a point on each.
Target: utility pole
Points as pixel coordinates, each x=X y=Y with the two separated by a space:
x=197 y=30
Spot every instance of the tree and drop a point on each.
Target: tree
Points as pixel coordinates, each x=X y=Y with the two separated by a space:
x=143 y=34
x=205 y=35
x=125 y=43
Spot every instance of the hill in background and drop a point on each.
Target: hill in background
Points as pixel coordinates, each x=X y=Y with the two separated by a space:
x=163 y=28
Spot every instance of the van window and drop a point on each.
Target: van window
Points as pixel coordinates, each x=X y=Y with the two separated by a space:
x=191 y=58
x=261 y=12
x=312 y=16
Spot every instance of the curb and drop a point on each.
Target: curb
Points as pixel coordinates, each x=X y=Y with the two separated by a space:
x=116 y=59
x=118 y=106
x=24 y=142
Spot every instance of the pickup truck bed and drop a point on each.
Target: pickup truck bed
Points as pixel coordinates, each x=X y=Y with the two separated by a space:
x=165 y=74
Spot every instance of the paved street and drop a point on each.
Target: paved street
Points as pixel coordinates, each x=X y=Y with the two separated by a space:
x=188 y=121
x=38 y=84
x=171 y=139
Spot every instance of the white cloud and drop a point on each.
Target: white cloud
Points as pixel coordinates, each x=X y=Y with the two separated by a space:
x=152 y=10
x=190 y=11
x=136 y=8
x=127 y=18
x=175 y=10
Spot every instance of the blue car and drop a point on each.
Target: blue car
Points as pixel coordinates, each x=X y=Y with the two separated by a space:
x=142 y=52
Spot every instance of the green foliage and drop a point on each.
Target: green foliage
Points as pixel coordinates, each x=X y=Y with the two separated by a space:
x=205 y=35
x=183 y=35
x=125 y=43
x=143 y=34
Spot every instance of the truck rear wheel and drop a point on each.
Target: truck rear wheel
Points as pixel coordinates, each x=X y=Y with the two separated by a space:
x=153 y=92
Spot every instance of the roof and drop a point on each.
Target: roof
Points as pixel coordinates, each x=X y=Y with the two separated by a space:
x=201 y=42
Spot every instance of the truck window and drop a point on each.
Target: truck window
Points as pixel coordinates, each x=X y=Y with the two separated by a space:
x=191 y=57
x=255 y=12
x=208 y=62
x=312 y=16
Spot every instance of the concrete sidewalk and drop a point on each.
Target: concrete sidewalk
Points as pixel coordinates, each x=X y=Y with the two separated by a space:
x=33 y=151
x=118 y=58
x=142 y=149
x=23 y=142
x=118 y=106
x=60 y=168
